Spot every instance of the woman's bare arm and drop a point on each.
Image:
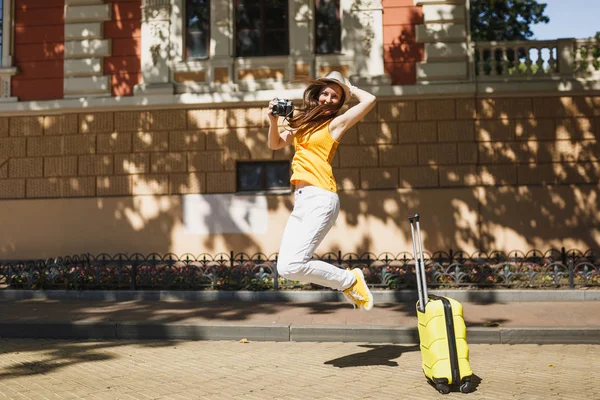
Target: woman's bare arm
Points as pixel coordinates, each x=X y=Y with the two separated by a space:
x=277 y=140
x=340 y=124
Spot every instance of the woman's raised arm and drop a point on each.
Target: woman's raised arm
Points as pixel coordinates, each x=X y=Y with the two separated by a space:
x=340 y=124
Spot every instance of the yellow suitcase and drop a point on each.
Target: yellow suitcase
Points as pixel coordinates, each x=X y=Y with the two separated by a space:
x=442 y=331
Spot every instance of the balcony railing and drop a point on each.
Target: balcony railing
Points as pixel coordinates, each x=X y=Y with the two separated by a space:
x=537 y=60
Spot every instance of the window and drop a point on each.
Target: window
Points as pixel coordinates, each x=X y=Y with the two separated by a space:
x=261 y=28
x=197 y=36
x=328 y=27
x=254 y=176
x=1 y=29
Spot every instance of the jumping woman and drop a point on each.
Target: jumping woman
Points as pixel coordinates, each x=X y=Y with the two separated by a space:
x=315 y=131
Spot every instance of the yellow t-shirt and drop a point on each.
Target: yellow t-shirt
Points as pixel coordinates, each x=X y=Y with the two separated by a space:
x=315 y=149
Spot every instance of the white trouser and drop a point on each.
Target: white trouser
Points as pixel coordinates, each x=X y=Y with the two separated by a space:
x=315 y=211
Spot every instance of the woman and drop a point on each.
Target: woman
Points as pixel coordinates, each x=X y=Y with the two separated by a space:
x=316 y=131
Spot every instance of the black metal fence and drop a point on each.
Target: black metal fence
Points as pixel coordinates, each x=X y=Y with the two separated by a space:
x=533 y=269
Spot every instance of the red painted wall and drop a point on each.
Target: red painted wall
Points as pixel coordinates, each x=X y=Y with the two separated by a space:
x=124 y=65
x=39 y=49
x=401 y=53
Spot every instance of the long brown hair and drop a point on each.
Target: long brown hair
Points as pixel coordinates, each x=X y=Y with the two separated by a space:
x=311 y=111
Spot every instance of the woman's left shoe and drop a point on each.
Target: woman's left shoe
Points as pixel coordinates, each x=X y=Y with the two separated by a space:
x=359 y=292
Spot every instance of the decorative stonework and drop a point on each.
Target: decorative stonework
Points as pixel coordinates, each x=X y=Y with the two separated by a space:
x=156 y=10
x=365 y=20
x=360 y=8
x=5 y=86
x=156 y=44
x=5 y=91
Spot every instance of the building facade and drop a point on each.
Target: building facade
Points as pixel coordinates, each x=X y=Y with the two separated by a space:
x=139 y=126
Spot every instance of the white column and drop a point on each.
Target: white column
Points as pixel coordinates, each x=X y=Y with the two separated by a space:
x=221 y=38
x=365 y=35
x=445 y=34
x=302 y=36
x=156 y=74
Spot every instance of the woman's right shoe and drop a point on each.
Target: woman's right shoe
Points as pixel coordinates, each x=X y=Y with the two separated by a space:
x=359 y=292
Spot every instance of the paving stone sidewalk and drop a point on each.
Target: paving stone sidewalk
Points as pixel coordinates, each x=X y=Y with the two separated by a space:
x=59 y=369
x=518 y=322
x=512 y=314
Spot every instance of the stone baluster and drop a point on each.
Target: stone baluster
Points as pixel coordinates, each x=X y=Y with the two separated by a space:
x=480 y=61
x=496 y=62
x=540 y=61
x=528 y=61
x=553 y=59
x=505 y=63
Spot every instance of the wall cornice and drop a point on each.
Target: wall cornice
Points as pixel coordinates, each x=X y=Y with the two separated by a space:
x=238 y=98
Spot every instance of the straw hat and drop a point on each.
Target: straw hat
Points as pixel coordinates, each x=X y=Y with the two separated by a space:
x=338 y=78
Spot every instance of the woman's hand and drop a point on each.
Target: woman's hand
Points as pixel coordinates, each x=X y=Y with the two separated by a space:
x=273 y=119
x=277 y=140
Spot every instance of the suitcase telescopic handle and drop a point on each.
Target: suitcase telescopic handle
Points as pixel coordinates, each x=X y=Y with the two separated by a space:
x=419 y=263
x=413 y=218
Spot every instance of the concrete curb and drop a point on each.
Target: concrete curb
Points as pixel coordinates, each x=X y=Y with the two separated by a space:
x=380 y=296
x=286 y=332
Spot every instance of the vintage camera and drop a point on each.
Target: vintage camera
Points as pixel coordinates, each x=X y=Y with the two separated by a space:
x=283 y=108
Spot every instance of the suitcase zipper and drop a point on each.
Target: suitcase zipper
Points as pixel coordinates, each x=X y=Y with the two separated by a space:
x=451 y=339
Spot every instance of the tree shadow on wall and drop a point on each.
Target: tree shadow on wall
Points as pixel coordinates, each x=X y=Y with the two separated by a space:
x=466 y=164
x=510 y=173
x=125 y=66
x=402 y=52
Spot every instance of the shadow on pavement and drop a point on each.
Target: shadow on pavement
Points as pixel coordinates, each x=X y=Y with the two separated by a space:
x=377 y=355
x=488 y=323
x=476 y=381
x=58 y=354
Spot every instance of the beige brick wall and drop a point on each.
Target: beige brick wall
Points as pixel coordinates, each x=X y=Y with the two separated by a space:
x=428 y=143
x=4 y=124
x=60 y=124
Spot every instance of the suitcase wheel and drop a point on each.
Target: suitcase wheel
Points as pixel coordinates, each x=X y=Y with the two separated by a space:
x=442 y=388
x=466 y=387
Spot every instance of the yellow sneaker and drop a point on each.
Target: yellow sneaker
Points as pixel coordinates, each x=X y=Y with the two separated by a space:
x=355 y=303
x=359 y=292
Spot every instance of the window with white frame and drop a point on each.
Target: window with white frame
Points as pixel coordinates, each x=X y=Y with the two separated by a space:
x=328 y=27
x=261 y=28
x=1 y=30
x=263 y=176
x=257 y=34
x=7 y=70
x=197 y=35
x=6 y=31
